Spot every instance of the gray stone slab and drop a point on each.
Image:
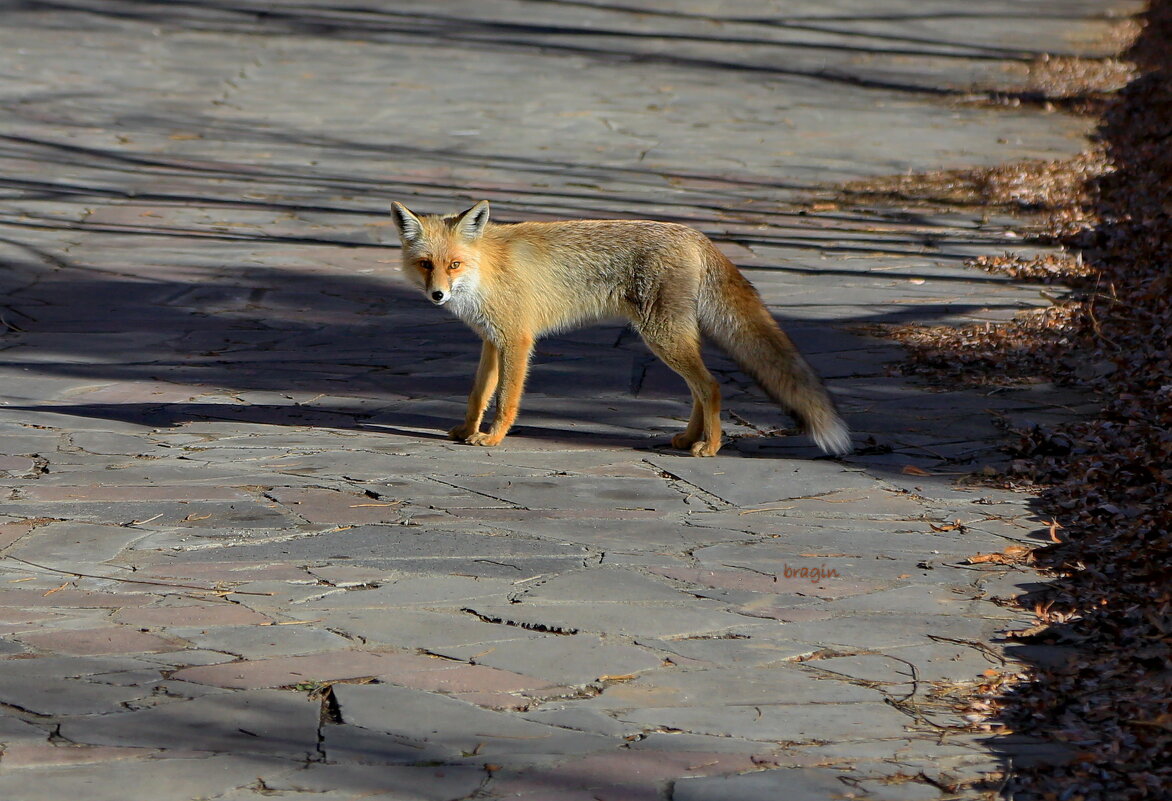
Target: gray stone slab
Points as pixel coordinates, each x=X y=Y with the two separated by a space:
x=794 y=784
x=732 y=687
x=755 y=482
x=173 y=540
x=13 y=729
x=748 y=646
x=113 y=444
x=674 y=741
x=241 y=514
x=16 y=440
x=74 y=545
x=436 y=491
x=648 y=621
x=864 y=558
x=601 y=585
x=948 y=661
x=8 y=648
x=569 y=661
x=72 y=469
x=866 y=632
x=879 y=668
x=264 y=722
x=419 y=591
x=808 y=531
x=779 y=723
x=346 y=743
x=929 y=599
x=912 y=790
x=622 y=536
x=59 y=685
x=586 y=720
x=141 y=779
x=257 y=642
x=578 y=492
x=448 y=632
x=415 y=549
x=456 y=726
x=130 y=678
x=414 y=783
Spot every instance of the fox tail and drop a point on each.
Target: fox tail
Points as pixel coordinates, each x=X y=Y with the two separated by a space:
x=732 y=314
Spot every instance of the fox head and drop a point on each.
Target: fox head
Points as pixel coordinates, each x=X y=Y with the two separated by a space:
x=440 y=254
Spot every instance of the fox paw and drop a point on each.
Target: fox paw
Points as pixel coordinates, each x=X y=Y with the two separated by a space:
x=459 y=433
x=697 y=445
x=705 y=448
x=487 y=440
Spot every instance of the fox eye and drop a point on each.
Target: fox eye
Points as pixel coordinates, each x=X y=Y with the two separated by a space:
x=454 y=265
x=425 y=264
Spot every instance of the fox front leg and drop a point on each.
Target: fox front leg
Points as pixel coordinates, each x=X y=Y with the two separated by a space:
x=514 y=367
x=482 y=390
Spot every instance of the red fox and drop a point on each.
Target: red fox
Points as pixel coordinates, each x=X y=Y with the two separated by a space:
x=513 y=283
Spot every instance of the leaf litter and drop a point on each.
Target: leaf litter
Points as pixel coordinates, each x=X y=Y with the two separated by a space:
x=1104 y=480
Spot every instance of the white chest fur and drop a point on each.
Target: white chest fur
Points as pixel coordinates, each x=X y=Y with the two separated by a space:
x=467 y=303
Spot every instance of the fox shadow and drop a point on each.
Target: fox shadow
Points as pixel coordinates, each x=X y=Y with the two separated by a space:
x=287 y=346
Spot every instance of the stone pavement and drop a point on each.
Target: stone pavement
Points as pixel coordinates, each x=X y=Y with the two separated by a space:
x=241 y=560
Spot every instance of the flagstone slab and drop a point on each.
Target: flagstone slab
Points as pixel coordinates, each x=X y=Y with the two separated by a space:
x=780 y=723
x=258 y=722
x=576 y=660
x=650 y=621
x=456 y=726
x=105 y=640
x=756 y=482
x=797 y=784
x=180 y=780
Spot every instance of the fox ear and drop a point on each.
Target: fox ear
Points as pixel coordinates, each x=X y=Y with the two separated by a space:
x=470 y=224
x=410 y=227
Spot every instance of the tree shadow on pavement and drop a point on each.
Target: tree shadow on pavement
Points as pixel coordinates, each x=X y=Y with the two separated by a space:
x=276 y=304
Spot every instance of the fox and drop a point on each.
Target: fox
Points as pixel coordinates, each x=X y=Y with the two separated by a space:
x=513 y=283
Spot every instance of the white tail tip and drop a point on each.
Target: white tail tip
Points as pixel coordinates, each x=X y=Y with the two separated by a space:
x=834 y=437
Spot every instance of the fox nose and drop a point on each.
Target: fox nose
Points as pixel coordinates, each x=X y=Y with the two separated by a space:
x=439 y=296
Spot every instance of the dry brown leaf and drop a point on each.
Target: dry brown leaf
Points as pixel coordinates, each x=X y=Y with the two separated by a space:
x=1013 y=555
x=1163 y=721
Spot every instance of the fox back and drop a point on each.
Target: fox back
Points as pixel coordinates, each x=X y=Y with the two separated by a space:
x=549 y=276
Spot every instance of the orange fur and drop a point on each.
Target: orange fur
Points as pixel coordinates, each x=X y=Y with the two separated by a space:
x=515 y=283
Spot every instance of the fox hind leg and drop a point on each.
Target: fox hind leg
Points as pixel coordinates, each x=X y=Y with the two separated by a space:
x=678 y=345
x=695 y=430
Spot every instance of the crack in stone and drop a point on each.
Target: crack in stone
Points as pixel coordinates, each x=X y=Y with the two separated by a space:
x=498 y=564
x=547 y=629
x=19 y=711
x=477 y=492
x=639 y=364
x=695 y=490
